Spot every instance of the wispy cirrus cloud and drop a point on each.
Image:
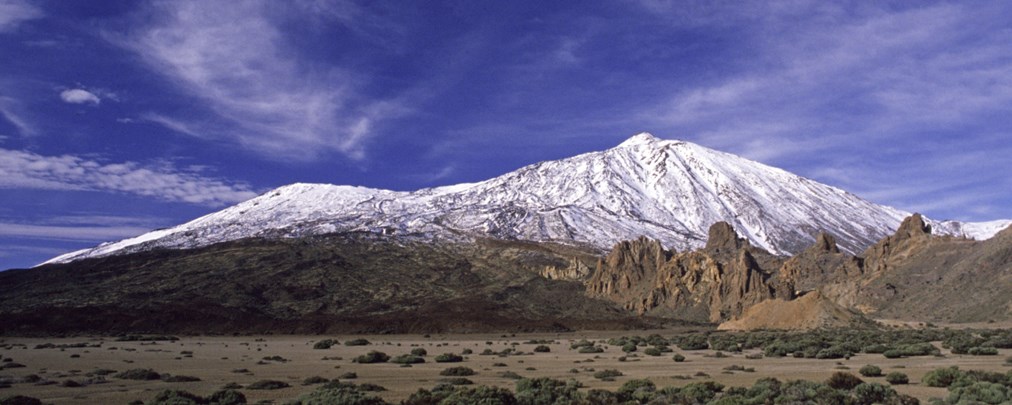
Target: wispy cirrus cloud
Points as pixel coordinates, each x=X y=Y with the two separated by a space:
x=236 y=58
x=15 y=12
x=839 y=73
x=26 y=170
x=12 y=111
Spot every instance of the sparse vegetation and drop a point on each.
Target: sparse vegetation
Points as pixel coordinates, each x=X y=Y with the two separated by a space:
x=356 y=342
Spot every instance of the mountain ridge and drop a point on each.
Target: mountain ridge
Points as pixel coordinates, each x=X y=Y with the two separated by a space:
x=668 y=190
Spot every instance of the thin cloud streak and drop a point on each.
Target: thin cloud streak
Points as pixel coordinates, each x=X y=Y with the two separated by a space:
x=26 y=170
x=70 y=233
x=234 y=57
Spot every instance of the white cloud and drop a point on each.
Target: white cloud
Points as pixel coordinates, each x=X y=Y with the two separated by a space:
x=79 y=96
x=26 y=170
x=234 y=57
x=14 y=12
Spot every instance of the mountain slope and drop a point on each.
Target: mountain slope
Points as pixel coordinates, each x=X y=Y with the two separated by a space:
x=335 y=283
x=671 y=191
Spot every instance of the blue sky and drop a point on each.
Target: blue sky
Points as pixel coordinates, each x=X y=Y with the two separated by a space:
x=117 y=117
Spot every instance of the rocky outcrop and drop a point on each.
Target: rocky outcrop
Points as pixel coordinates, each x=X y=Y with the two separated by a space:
x=708 y=285
x=911 y=236
x=574 y=271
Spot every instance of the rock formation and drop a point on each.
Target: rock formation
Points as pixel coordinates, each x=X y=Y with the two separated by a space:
x=708 y=285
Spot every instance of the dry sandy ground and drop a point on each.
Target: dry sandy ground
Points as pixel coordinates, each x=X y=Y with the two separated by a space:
x=214 y=360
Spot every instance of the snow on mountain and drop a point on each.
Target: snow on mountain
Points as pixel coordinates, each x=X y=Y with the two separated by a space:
x=665 y=189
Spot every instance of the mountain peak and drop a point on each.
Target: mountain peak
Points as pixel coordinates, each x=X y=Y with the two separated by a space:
x=641 y=138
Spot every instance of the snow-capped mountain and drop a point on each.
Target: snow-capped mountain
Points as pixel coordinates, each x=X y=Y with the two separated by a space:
x=664 y=189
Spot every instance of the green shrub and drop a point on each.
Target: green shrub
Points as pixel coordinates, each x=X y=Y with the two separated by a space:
x=418 y=351
x=629 y=347
x=176 y=397
x=892 y=354
x=980 y=392
x=372 y=357
x=897 y=378
x=546 y=391
x=325 y=344
x=873 y=393
x=449 y=358
x=591 y=349
x=542 y=349
x=457 y=371
x=843 y=381
x=982 y=351
x=942 y=377
x=338 y=396
x=407 y=359
x=356 y=342
x=314 y=380
x=268 y=385
x=652 y=351
x=699 y=393
x=457 y=381
x=610 y=373
x=870 y=371
x=678 y=358
x=639 y=390
x=479 y=395
x=179 y=378
x=693 y=342
x=144 y=374
x=227 y=397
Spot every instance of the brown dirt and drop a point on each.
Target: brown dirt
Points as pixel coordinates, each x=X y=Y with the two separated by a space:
x=810 y=311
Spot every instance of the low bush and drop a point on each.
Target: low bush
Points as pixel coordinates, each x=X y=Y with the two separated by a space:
x=356 y=342
x=843 y=381
x=407 y=359
x=609 y=373
x=418 y=351
x=870 y=371
x=897 y=378
x=678 y=358
x=542 y=349
x=315 y=380
x=591 y=349
x=457 y=372
x=180 y=378
x=268 y=385
x=143 y=374
x=325 y=344
x=942 y=377
x=449 y=358
x=372 y=357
